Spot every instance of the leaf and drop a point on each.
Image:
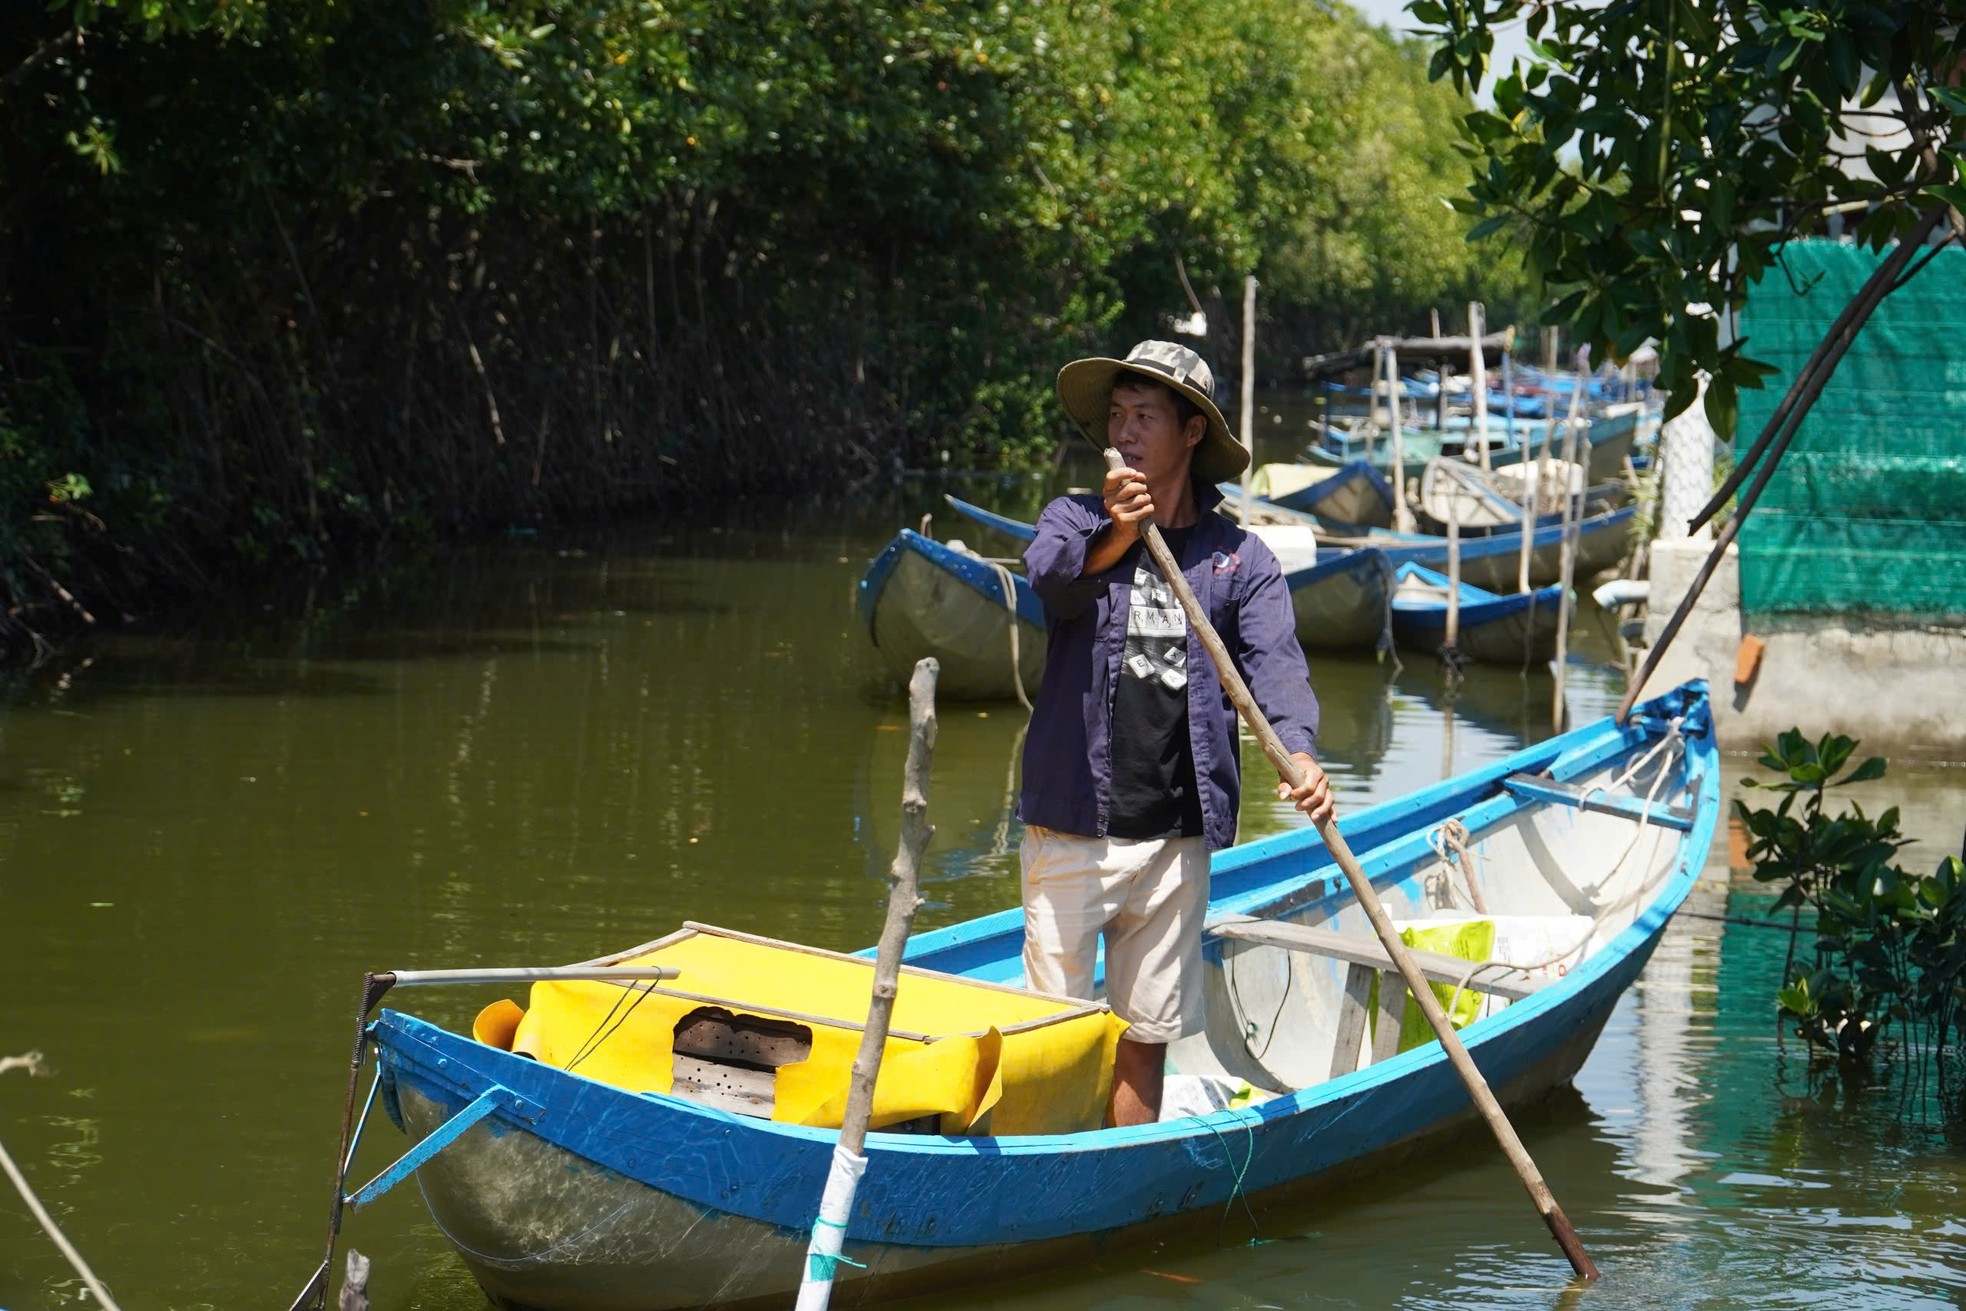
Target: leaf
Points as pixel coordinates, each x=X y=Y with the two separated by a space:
x=1722 y=406
x=1953 y=98
x=1871 y=768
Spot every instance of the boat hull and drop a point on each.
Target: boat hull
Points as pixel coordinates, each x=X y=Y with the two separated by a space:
x=1357 y=494
x=1524 y=637
x=1492 y=562
x=921 y=598
x=1339 y=604
x=544 y=1227
x=575 y=1195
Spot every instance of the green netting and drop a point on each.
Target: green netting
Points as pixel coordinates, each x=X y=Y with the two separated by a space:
x=1867 y=512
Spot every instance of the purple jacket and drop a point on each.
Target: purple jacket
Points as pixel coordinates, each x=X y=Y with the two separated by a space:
x=1068 y=769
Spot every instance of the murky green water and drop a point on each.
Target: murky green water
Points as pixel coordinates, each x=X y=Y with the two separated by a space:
x=539 y=751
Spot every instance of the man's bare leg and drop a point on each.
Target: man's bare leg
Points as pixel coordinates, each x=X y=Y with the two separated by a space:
x=1137 y=1068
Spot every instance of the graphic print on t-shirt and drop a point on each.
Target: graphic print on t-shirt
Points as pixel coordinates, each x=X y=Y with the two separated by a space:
x=1156 y=631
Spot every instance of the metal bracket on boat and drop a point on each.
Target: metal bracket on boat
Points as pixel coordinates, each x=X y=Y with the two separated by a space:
x=491 y=1099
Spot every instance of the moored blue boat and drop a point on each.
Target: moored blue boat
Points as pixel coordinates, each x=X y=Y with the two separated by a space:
x=921 y=597
x=1357 y=495
x=1518 y=629
x=569 y=1194
x=1338 y=595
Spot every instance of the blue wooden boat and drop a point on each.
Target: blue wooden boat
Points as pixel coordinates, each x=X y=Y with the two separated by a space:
x=1504 y=630
x=921 y=597
x=1357 y=495
x=1340 y=602
x=1491 y=561
x=566 y=1193
x=1339 y=595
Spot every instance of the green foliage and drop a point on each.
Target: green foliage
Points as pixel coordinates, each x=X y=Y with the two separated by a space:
x=1656 y=155
x=1375 y=245
x=1890 y=945
x=317 y=273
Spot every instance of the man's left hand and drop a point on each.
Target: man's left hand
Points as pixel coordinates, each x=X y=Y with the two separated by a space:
x=1314 y=796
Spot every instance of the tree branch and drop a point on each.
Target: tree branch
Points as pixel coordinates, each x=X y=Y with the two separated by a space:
x=49 y=49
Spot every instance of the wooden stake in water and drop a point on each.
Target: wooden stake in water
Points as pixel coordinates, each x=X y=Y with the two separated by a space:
x=1453 y=578
x=1478 y=378
x=1368 y=900
x=849 y=1163
x=1573 y=508
x=1402 y=516
x=1248 y=379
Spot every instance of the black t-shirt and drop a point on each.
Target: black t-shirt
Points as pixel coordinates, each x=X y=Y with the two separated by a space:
x=1154 y=793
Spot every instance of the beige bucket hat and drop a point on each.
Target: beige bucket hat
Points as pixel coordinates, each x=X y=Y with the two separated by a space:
x=1086 y=388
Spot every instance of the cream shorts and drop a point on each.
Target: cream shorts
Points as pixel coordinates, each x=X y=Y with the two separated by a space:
x=1146 y=897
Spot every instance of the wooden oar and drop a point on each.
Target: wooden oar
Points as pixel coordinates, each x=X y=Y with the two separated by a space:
x=314 y=1293
x=903 y=899
x=1382 y=924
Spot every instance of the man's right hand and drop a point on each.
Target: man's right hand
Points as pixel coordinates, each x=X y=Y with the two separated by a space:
x=1128 y=502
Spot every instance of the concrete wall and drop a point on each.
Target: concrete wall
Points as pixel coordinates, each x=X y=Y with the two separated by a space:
x=1902 y=691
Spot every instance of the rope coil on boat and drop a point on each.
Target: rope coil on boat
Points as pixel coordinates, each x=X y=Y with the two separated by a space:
x=1450 y=843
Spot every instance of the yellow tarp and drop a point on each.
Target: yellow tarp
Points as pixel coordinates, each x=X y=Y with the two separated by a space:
x=979 y=1071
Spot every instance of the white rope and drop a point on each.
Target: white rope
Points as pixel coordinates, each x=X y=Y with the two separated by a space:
x=1442 y=838
x=1009 y=585
x=32 y=1064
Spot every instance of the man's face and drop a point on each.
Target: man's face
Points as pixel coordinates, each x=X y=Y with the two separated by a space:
x=1144 y=426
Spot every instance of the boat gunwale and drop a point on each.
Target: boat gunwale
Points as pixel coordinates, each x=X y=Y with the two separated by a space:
x=973 y=571
x=1700 y=771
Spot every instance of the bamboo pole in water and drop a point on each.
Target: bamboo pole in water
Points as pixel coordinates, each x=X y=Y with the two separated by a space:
x=1368 y=900
x=1402 y=516
x=1248 y=379
x=903 y=899
x=1453 y=579
x=1478 y=378
x=1538 y=475
x=1573 y=508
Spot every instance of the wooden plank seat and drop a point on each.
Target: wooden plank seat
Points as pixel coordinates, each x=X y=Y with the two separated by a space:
x=1367 y=959
x=1537 y=787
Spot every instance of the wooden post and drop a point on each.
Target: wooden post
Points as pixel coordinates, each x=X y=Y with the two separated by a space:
x=1530 y=508
x=1573 y=506
x=1368 y=900
x=1478 y=378
x=1453 y=573
x=1248 y=379
x=836 y=1202
x=1508 y=400
x=1402 y=516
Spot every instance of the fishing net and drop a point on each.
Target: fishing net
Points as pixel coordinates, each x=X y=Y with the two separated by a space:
x=1867 y=512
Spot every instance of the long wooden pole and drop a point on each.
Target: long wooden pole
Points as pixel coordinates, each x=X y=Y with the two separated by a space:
x=1453 y=578
x=1822 y=362
x=1781 y=427
x=1368 y=900
x=903 y=899
x=1248 y=380
x=1478 y=379
x=1573 y=510
x=1402 y=517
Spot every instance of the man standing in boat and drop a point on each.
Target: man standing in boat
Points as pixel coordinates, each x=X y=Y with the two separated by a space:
x=1132 y=773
